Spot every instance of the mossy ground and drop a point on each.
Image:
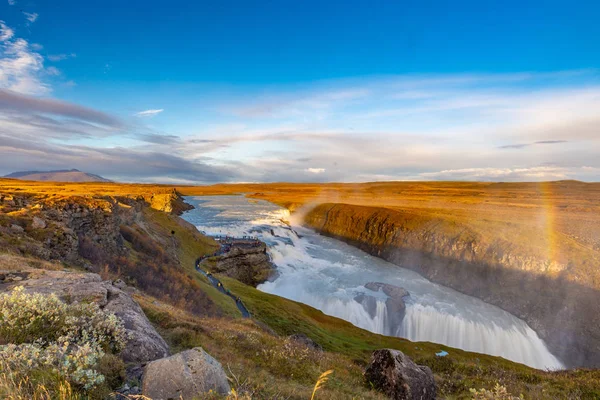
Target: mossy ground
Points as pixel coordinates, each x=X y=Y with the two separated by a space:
x=455 y=374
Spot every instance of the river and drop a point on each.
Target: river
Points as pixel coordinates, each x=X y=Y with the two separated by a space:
x=328 y=274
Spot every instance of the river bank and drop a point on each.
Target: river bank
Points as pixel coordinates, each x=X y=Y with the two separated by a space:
x=329 y=275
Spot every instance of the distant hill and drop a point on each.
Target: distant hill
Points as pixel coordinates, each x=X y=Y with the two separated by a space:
x=66 y=175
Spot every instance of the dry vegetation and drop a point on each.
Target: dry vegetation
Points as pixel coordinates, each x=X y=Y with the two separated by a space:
x=256 y=354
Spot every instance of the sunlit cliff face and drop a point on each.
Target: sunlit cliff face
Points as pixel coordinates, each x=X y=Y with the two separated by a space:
x=330 y=276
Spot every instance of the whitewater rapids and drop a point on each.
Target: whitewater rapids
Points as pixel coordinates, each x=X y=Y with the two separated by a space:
x=328 y=274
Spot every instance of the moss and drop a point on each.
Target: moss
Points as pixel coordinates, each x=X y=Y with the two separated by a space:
x=455 y=374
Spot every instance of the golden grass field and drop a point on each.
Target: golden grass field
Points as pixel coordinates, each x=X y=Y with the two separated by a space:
x=559 y=220
x=564 y=214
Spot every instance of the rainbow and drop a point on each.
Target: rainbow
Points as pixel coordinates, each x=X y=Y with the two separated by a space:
x=549 y=221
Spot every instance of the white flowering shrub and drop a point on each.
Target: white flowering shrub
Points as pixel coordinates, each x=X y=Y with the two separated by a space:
x=44 y=332
x=498 y=393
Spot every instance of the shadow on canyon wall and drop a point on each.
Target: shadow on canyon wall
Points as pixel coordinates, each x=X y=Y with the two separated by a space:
x=564 y=313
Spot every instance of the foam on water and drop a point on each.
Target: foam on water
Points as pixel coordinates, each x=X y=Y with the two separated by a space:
x=328 y=274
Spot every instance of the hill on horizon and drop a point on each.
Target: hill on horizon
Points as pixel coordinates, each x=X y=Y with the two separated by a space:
x=65 y=175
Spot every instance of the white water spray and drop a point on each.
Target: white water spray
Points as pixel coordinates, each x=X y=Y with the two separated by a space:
x=328 y=274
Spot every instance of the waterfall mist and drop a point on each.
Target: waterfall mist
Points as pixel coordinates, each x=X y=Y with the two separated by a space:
x=330 y=275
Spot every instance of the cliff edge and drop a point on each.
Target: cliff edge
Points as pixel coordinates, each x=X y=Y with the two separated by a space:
x=545 y=293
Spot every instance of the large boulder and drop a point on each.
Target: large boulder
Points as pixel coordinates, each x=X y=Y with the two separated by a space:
x=396 y=375
x=144 y=344
x=38 y=223
x=185 y=375
x=306 y=341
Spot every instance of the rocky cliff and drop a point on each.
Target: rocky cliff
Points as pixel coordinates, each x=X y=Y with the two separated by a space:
x=171 y=202
x=538 y=290
x=115 y=236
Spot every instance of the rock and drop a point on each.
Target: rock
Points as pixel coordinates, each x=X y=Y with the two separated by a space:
x=171 y=203
x=185 y=375
x=144 y=344
x=395 y=305
x=17 y=228
x=305 y=340
x=396 y=375
x=38 y=223
x=120 y=284
x=395 y=292
x=248 y=264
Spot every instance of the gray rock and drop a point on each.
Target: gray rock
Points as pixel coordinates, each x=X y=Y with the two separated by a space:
x=185 y=375
x=38 y=223
x=145 y=344
x=17 y=228
x=305 y=340
x=395 y=305
x=396 y=375
x=395 y=292
x=120 y=284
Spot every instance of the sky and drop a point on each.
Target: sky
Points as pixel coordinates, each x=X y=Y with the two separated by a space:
x=302 y=91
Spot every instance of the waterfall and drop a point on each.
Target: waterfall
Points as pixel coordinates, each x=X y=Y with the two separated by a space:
x=330 y=276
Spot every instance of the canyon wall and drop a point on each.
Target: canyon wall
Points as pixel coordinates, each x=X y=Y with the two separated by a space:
x=563 y=312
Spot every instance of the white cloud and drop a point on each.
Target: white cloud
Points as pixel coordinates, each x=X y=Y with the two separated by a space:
x=21 y=68
x=11 y=2
x=149 y=113
x=31 y=17
x=61 y=57
x=36 y=46
x=6 y=33
x=539 y=173
x=315 y=170
x=53 y=71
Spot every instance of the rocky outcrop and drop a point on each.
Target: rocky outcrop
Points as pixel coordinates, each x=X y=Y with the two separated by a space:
x=171 y=203
x=393 y=292
x=306 y=341
x=145 y=344
x=396 y=308
x=563 y=312
x=396 y=375
x=248 y=264
x=185 y=375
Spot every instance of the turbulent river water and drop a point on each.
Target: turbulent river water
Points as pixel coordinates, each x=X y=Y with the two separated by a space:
x=328 y=274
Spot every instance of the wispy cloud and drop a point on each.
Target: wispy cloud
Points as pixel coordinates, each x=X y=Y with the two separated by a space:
x=415 y=127
x=149 y=113
x=25 y=105
x=550 y=141
x=60 y=57
x=21 y=67
x=11 y=2
x=53 y=71
x=31 y=17
x=524 y=145
x=538 y=173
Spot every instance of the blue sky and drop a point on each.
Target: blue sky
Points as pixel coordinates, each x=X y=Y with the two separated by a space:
x=301 y=91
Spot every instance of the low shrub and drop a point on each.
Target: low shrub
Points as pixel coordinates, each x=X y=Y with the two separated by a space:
x=498 y=393
x=48 y=335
